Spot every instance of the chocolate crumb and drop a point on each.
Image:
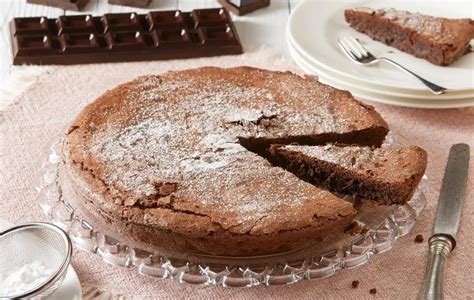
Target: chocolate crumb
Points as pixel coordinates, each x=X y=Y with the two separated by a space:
x=355 y=284
x=373 y=291
x=353 y=161
x=419 y=239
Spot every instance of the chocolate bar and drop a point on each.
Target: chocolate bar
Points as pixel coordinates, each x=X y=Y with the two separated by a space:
x=133 y=3
x=158 y=35
x=76 y=5
x=243 y=7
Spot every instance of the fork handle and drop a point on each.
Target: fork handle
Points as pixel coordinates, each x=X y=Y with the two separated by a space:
x=434 y=88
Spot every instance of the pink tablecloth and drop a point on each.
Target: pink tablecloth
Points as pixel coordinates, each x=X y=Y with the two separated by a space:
x=48 y=105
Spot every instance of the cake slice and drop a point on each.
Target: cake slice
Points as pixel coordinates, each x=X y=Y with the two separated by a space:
x=387 y=175
x=439 y=40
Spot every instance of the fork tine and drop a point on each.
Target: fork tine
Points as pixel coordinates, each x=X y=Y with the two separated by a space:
x=343 y=45
x=354 y=48
x=359 y=45
x=351 y=47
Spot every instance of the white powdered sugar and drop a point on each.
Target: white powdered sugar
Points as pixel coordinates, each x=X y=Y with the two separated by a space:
x=25 y=278
x=127 y=151
x=422 y=23
x=204 y=163
x=221 y=142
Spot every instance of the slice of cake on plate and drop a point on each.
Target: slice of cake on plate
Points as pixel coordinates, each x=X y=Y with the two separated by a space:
x=439 y=40
x=387 y=175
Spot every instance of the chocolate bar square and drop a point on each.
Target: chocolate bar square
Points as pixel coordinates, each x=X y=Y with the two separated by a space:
x=35 y=25
x=129 y=40
x=216 y=35
x=168 y=38
x=70 y=24
x=32 y=44
x=121 y=22
x=165 y=19
x=208 y=17
x=79 y=43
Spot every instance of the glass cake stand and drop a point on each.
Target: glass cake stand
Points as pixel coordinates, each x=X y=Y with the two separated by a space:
x=378 y=228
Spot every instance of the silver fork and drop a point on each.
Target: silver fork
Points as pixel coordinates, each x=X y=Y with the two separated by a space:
x=360 y=55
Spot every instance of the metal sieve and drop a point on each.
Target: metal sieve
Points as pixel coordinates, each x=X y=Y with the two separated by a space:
x=30 y=243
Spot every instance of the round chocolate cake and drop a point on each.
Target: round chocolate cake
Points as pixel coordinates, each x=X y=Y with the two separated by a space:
x=178 y=160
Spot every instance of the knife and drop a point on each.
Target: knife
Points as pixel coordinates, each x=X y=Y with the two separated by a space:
x=446 y=223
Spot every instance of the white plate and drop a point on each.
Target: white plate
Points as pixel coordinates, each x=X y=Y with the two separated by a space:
x=315 y=26
x=70 y=288
x=353 y=84
x=376 y=97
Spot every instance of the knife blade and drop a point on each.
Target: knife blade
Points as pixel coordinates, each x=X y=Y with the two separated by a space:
x=451 y=197
x=446 y=223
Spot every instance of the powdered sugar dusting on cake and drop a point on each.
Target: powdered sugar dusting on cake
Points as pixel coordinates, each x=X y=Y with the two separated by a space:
x=424 y=24
x=221 y=143
x=244 y=116
x=183 y=131
x=130 y=155
x=437 y=28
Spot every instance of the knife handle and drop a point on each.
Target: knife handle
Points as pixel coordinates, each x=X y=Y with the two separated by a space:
x=440 y=247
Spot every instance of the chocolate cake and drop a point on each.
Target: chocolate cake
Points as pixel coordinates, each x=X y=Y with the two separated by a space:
x=439 y=40
x=171 y=160
x=388 y=175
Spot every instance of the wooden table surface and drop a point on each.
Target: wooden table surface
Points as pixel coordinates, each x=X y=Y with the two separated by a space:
x=262 y=27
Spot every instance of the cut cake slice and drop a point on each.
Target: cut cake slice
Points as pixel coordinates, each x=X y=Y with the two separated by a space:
x=388 y=175
x=439 y=40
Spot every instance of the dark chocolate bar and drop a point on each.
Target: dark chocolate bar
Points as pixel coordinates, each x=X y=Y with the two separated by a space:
x=243 y=7
x=158 y=35
x=76 y=5
x=133 y=3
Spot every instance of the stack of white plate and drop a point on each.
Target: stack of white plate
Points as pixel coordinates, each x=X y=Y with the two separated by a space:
x=312 y=32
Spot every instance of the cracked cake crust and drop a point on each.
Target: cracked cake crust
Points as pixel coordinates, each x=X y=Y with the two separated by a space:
x=162 y=158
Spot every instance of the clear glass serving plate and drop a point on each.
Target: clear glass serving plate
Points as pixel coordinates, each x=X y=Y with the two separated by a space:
x=378 y=228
